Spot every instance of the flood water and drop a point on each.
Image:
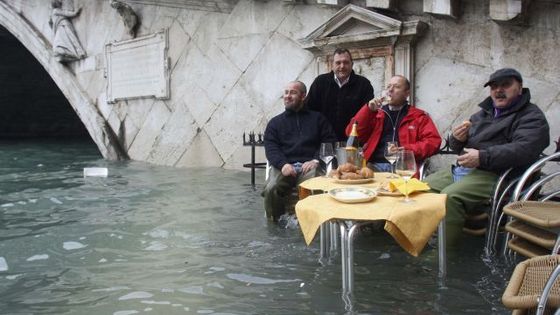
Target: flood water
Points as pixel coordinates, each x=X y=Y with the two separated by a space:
x=159 y=240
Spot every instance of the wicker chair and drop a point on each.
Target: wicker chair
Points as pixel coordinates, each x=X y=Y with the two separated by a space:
x=527 y=283
x=534 y=226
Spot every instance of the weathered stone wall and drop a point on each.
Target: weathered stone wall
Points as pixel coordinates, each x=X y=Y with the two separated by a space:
x=228 y=69
x=455 y=58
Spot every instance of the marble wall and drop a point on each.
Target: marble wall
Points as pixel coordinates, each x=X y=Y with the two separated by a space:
x=228 y=69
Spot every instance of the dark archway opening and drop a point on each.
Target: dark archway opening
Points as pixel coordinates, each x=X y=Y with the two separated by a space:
x=31 y=105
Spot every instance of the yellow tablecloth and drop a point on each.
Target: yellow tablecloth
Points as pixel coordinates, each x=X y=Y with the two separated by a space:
x=410 y=224
x=325 y=183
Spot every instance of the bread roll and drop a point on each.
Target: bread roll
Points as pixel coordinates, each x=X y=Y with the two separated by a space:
x=347 y=167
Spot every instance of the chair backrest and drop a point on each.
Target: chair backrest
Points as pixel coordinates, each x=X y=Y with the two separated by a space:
x=521 y=192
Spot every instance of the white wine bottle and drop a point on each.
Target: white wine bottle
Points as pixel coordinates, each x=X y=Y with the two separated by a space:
x=353 y=143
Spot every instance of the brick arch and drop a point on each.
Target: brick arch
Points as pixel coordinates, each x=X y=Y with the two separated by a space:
x=97 y=126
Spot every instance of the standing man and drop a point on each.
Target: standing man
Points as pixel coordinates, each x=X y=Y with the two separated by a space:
x=397 y=120
x=508 y=132
x=340 y=93
x=291 y=142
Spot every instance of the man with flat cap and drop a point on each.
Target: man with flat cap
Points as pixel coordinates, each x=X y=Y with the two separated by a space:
x=508 y=132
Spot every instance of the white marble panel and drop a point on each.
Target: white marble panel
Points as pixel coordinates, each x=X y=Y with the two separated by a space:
x=178 y=42
x=238 y=113
x=209 y=31
x=192 y=20
x=141 y=146
x=243 y=49
x=252 y=17
x=281 y=61
x=303 y=20
x=446 y=96
x=174 y=138
x=211 y=72
x=201 y=153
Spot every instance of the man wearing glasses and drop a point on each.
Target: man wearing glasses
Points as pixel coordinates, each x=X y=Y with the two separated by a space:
x=508 y=132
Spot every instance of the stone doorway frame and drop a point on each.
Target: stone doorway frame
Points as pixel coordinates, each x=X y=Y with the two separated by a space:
x=368 y=34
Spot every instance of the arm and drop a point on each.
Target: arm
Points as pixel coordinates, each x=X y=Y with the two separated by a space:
x=312 y=101
x=529 y=138
x=366 y=123
x=427 y=139
x=66 y=13
x=327 y=135
x=272 y=146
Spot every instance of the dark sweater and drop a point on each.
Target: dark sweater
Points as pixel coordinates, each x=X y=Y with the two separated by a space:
x=338 y=105
x=296 y=137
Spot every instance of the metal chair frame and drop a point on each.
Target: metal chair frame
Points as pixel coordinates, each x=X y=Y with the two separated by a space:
x=523 y=193
x=546 y=291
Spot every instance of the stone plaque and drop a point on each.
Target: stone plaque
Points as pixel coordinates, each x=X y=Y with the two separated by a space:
x=138 y=68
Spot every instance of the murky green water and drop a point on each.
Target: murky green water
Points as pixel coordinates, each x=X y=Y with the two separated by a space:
x=160 y=240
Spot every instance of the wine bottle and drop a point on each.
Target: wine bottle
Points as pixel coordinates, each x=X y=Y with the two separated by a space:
x=353 y=143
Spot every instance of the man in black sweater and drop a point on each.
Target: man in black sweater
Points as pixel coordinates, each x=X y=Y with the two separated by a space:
x=291 y=141
x=340 y=93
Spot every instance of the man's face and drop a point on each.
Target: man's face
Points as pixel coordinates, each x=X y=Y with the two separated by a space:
x=342 y=66
x=397 y=90
x=505 y=91
x=293 y=97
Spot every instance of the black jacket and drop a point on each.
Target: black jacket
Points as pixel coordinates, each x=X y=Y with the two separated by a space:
x=296 y=137
x=339 y=105
x=514 y=139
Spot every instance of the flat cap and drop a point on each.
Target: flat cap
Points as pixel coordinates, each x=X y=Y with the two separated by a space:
x=504 y=73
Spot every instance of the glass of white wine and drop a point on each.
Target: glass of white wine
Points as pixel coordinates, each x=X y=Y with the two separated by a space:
x=326 y=153
x=406 y=168
x=391 y=149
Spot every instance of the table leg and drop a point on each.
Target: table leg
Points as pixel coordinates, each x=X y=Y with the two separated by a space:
x=343 y=255
x=442 y=250
x=347 y=232
x=350 y=256
x=324 y=238
x=334 y=236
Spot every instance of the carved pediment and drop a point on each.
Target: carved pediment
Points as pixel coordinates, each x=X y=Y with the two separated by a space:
x=352 y=26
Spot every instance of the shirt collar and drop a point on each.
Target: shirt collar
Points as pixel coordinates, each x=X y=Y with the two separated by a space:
x=340 y=84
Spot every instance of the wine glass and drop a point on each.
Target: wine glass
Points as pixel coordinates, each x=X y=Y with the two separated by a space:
x=406 y=167
x=391 y=149
x=326 y=154
x=386 y=97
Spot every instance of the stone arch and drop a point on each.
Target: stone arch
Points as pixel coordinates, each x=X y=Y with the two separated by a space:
x=97 y=126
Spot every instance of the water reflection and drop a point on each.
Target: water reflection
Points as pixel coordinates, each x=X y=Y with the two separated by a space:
x=195 y=241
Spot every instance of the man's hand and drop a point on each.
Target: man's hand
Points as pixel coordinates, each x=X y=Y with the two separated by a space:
x=461 y=132
x=470 y=159
x=375 y=104
x=309 y=165
x=289 y=170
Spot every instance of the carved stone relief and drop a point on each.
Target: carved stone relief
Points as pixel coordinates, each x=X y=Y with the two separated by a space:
x=66 y=45
x=129 y=17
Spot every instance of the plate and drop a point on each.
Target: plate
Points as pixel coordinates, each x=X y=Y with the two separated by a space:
x=352 y=194
x=353 y=181
x=385 y=192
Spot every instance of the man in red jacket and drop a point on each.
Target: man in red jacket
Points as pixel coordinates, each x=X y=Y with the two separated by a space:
x=391 y=118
